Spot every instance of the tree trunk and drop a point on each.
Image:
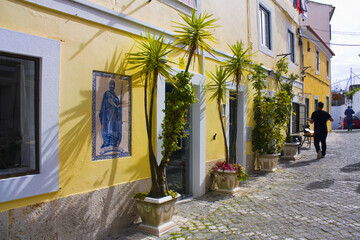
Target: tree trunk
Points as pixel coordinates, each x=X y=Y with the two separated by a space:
x=191 y=53
x=224 y=133
x=158 y=181
x=233 y=147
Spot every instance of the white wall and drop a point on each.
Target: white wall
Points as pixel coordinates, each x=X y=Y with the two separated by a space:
x=337 y=113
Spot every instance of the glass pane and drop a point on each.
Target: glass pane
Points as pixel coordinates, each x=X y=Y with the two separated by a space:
x=17 y=115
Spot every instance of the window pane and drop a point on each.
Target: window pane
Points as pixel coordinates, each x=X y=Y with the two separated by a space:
x=264 y=27
x=291 y=46
x=317 y=61
x=18 y=83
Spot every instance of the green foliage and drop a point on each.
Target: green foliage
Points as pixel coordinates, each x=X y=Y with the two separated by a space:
x=240 y=62
x=151 y=57
x=178 y=102
x=217 y=87
x=143 y=195
x=271 y=116
x=352 y=92
x=195 y=33
x=236 y=66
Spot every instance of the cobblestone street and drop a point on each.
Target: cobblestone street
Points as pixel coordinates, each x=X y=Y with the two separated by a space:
x=304 y=199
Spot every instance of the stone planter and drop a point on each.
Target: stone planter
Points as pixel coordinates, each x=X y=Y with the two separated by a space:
x=291 y=151
x=227 y=181
x=156 y=214
x=268 y=162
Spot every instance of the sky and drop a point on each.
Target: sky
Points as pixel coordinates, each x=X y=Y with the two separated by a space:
x=345 y=26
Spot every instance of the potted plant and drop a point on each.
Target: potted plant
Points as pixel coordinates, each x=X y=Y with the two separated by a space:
x=291 y=147
x=271 y=115
x=227 y=174
x=156 y=207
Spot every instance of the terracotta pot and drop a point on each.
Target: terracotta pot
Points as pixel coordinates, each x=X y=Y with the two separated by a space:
x=291 y=151
x=156 y=214
x=268 y=162
x=227 y=181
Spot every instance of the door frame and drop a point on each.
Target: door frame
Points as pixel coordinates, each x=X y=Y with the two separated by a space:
x=198 y=138
x=241 y=129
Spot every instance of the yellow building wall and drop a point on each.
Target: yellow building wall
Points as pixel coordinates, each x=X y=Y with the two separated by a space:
x=88 y=46
x=85 y=47
x=316 y=84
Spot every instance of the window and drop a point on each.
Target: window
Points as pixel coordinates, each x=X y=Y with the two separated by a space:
x=264 y=20
x=19 y=85
x=30 y=68
x=307 y=106
x=327 y=68
x=316 y=101
x=327 y=104
x=317 y=62
x=291 y=46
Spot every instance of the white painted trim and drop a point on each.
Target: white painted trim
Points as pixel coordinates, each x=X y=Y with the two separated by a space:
x=48 y=51
x=90 y=11
x=314 y=106
x=198 y=136
x=180 y=6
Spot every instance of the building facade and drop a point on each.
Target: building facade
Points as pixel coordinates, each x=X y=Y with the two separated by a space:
x=316 y=36
x=61 y=61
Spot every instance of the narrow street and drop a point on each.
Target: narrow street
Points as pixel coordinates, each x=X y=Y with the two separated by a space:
x=304 y=199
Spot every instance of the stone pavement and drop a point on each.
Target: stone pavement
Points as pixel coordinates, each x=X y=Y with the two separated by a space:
x=303 y=199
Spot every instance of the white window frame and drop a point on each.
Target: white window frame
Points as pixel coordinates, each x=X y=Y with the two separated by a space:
x=291 y=46
x=327 y=103
x=316 y=98
x=48 y=51
x=262 y=47
x=327 y=69
x=317 y=61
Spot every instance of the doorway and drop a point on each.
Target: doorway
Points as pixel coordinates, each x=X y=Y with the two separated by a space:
x=232 y=110
x=179 y=169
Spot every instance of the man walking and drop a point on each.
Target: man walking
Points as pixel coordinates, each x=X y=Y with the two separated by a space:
x=348 y=113
x=319 y=118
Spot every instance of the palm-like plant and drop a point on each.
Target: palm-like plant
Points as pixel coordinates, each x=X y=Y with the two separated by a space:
x=237 y=65
x=151 y=61
x=194 y=34
x=218 y=89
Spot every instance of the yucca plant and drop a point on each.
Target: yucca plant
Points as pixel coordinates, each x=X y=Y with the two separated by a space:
x=217 y=87
x=151 y=61
x=194 y=34
x=236 y=66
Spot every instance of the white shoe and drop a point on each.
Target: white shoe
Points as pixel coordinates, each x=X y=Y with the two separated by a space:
x=319 y=154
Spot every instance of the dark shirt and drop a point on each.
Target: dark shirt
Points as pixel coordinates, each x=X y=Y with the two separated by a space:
x=320 y=118
x=349 y=112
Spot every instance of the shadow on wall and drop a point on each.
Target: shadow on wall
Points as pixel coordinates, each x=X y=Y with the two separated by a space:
x=101 y=212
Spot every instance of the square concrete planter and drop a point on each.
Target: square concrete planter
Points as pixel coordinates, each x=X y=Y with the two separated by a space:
x=227 y=181
x=156 y=214
x=268 y=162
x=291 y=151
